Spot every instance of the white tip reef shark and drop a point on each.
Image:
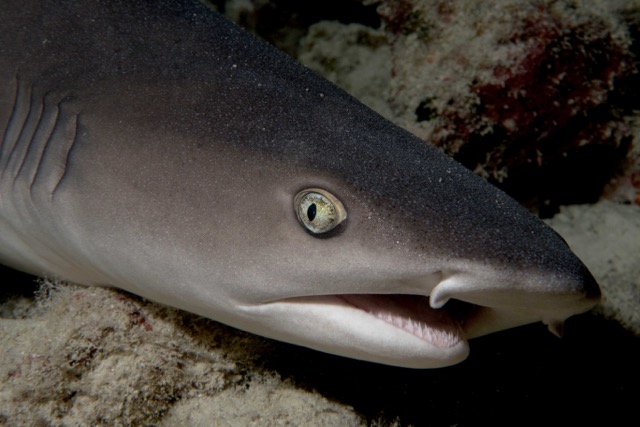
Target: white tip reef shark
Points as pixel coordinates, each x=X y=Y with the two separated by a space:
x=155 y=147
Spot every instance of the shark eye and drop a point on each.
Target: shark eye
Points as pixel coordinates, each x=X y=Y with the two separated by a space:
x=318 y=210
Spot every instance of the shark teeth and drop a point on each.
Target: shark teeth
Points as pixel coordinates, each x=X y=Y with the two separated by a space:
x=413 y=314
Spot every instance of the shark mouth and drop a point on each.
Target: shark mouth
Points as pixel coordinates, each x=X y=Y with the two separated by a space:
x=442 y=327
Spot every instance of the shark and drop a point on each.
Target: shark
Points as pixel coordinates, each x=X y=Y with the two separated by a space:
x=156 y=147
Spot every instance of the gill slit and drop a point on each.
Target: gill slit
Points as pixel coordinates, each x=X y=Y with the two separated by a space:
x=20 y=150
x=3 y=141
x=32 y=143
x=43 y=152
x=11 y=135
x=73 y=138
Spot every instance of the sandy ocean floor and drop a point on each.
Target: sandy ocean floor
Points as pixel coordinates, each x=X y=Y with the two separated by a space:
x=78 y=356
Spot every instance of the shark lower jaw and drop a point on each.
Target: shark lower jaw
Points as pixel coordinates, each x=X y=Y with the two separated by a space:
x=442 y=328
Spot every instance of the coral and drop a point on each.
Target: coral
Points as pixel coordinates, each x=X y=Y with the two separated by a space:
x=352 y=56
x=95 y=356
x=606 y=236
x=536 y=96
x=284 y=22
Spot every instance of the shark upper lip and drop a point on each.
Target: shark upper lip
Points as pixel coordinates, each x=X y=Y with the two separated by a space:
x=455 y=311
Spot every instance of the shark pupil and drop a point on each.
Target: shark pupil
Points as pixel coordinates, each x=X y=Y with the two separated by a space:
x=311 y=211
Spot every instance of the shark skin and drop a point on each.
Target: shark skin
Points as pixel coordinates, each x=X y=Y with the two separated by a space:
x=155 y=147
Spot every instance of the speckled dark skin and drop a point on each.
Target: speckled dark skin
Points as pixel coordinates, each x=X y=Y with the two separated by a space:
x=156 y=147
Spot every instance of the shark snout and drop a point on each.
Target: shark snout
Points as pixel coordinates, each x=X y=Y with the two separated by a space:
x=503 y=299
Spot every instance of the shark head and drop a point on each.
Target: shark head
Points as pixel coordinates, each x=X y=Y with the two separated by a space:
x=377 y=246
